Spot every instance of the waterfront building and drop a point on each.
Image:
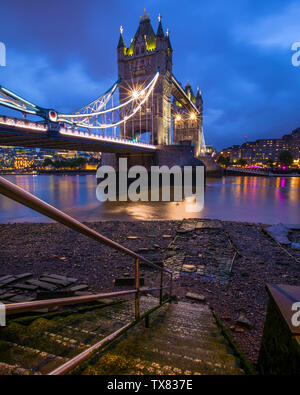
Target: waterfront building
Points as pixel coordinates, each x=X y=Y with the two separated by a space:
x=265 y=150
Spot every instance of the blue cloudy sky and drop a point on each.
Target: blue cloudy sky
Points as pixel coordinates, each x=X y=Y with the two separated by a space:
x=62 y=54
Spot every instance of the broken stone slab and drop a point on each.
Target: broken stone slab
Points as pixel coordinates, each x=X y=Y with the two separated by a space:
x=166 y=236
x=24 y=286
x=8 y=295
x=187 y=227
x=8 y=276
x=42 y=285
x=194 y=296
x=8 y=281
x=209 y=224
x=132 y=237
x=21 y=298
x=59 y=277
x=55 y=281
x=189 y=268
x=80 y=287
x=243 y=321
x=23 y=275
x=128 y=281
x=279 y=233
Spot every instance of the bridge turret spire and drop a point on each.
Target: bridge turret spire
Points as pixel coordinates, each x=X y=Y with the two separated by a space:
x=168 y=40
x=121 y=39
x=199 y=100
x=160 y=31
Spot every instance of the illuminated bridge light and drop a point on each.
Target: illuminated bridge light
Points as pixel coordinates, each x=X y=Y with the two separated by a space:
x=135 y=94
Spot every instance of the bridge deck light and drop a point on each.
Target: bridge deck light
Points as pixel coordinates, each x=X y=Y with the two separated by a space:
x=135 y=94
x=193 y=116
x=178 y=118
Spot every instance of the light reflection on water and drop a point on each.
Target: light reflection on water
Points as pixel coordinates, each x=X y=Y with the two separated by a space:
x=252 y=199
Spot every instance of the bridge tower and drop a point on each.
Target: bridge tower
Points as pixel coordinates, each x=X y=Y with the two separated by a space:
x=137 y=65
x=187 y=126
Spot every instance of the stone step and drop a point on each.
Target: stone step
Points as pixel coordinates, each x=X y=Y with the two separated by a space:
x=183 y=338
x=46 y=344
x=28 y=358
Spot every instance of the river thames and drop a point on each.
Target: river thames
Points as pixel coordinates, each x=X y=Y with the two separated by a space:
x=247 y=199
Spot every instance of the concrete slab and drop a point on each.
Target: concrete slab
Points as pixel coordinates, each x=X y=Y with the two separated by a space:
x=55 y=281
x=42 y=285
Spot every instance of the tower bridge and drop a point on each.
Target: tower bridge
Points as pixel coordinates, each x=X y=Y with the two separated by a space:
x=151 y=103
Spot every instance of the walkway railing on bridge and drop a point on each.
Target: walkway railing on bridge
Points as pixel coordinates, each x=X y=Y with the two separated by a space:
x=19 y=195
x=16 y=123
x=260 y=172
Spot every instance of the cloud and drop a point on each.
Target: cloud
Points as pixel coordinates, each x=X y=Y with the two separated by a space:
x=39 y=80
x=277 y=30
x=238 y=53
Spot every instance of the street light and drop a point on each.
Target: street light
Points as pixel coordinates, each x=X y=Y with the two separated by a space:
x=193 y=116
x=178 y=118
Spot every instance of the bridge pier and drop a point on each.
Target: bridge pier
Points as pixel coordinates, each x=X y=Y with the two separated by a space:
x=165 y=155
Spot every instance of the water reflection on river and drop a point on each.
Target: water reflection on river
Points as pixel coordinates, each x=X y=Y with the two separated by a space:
x=253 y=199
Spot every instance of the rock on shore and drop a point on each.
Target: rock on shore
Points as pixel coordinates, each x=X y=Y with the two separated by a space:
x=200 y=254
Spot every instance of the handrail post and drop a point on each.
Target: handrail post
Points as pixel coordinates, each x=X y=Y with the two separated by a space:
x=161 y=287
x=137 y=287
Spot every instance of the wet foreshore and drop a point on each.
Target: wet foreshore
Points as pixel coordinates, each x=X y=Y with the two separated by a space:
x=199 y=252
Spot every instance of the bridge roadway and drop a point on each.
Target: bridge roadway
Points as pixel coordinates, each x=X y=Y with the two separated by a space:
x=16 y=132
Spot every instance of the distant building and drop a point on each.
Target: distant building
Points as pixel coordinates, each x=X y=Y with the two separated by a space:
x=264 y=150
x=14 y=158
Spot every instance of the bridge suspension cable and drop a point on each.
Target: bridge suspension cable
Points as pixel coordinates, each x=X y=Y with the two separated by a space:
x=94 y=106
x=113 y=116
x=13 y=101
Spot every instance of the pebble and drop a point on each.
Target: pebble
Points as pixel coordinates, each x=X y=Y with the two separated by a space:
x=194 y=296
x=243 y=321
x=189 y=268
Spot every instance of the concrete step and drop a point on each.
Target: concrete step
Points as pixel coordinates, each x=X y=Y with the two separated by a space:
x=46 y=344
x=183 y=338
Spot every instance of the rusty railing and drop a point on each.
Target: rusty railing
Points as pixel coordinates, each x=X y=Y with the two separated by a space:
x=19 y=195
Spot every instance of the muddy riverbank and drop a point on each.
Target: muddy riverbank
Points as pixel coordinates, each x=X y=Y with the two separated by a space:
x=199 y=252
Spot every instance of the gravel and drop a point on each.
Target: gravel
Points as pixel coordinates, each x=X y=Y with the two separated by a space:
x=52 y=248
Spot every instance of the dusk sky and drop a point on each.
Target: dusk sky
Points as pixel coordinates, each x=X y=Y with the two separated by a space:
x=62 y=54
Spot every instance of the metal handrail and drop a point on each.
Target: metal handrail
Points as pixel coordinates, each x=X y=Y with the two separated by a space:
x=23 y=307
x=17 y=194
x=75 y=361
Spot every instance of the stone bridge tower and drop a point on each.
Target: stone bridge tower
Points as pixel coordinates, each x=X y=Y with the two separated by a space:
x=187 y=126
x=137 y=64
